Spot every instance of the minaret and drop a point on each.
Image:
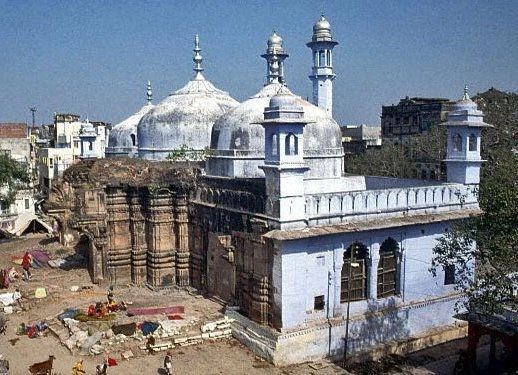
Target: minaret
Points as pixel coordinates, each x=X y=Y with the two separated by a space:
x=197 y=59
x=284 y=165
x=463 y=131
x=322 y=75
x=274 y=57
x=149 y=93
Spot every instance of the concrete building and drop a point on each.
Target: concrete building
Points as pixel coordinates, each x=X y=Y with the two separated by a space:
x=68 y=129
x=52 y=162
x=356 y=139
x=412 y=116
x=303 y=256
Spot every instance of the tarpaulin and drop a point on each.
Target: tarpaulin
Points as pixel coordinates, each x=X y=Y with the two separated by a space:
x=148 y=327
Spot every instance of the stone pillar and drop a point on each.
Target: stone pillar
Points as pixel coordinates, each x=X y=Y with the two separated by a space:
x=119 y=242
x=259 y=301
x=373 y=262
x=196 y=244
x=160 y=238
x=339 y=263
x=138 y=240
x=182 y=237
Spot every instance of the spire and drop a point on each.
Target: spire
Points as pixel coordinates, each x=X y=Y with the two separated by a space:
x=465 y=96
x=197 y=58
x=149 y=93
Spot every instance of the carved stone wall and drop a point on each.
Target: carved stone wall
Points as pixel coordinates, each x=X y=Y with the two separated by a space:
x=205 y=233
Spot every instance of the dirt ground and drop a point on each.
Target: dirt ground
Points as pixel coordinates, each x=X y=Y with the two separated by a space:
x=223 y=356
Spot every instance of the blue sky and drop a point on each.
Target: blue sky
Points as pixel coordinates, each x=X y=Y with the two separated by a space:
x=94 y=57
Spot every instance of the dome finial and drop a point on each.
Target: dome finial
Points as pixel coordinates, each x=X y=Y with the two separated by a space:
x=149 y=93
x=465 y=96
x=197 y=58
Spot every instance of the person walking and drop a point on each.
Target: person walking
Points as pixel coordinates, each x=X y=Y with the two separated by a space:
x=168 y=363
x=26 y=265
x=78 y=368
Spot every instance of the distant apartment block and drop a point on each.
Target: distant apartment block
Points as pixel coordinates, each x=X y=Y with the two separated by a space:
x=412 y=116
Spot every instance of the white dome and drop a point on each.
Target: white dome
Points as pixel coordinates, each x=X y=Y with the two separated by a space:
x=240 y=128
x=123 y=136
x=183 y=118
x=238 y=138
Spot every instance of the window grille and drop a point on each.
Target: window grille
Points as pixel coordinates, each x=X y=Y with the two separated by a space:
x=387 y=269
x=358 y=285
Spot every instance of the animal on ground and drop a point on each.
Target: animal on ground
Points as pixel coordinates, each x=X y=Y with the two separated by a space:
x=42 y=368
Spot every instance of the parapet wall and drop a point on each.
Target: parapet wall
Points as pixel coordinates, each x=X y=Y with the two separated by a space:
x=360 y=205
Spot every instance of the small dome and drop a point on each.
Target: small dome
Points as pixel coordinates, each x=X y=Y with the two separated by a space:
x=275 y=39
x=274 y=44
x=183 y=118
x=322 y=30
x=123 y=136
x=283 y=98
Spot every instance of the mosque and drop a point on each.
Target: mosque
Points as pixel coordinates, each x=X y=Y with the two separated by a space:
x=309 y=261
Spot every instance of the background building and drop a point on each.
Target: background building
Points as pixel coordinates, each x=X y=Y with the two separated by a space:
x=356 y=139
x=412 y=116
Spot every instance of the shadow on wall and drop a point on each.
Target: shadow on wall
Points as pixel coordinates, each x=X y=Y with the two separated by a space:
x=383 y=324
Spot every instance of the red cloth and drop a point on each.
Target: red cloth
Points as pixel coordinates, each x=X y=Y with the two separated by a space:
x=26 y=261
x=112 y=362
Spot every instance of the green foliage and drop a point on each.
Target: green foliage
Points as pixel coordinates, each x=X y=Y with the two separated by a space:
x=495 y=232
x=13 y=176
x=399 y=160
x=186 y=153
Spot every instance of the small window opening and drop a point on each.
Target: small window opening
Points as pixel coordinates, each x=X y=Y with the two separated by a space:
x=320 y=303
x=449 y=274
x=472 y=143
x=275 y=144
x=457 y=142
x=291 y=147
x=133 y=140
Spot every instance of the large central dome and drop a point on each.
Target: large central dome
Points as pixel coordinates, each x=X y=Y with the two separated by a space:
x=184 y=118
x=239 y=134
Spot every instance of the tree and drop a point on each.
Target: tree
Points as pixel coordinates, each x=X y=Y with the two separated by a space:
x=13 y=176
x=489 y=241
x=186 y=153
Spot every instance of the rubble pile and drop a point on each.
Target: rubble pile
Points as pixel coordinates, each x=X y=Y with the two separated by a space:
x=98 y=337
x=218 y=329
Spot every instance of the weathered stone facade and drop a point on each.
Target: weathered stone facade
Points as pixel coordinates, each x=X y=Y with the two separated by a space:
x=191 y=231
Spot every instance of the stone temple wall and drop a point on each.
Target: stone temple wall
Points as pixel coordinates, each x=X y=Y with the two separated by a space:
x=199 y=232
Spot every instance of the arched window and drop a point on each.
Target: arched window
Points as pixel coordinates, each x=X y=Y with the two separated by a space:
x=423 y=174
x=354 y=273
x=275 y=144
x=90 y=146
x=321 y=58
x=457 y=142
x=291 y=145
x=472 y=142
x=133 y=139
x=329 y=58
x=387 y=268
